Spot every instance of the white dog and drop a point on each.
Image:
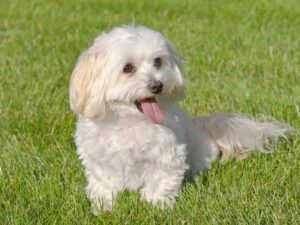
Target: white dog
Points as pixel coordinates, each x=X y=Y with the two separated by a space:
x=132 y=135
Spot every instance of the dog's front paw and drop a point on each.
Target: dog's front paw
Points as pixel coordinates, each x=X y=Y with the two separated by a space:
x=99 y=205
x=157 y=200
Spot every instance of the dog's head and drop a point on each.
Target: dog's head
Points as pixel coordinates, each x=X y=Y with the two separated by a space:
x=128 y=65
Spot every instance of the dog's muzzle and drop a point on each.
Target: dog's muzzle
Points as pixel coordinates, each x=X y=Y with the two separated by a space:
x=155 y=86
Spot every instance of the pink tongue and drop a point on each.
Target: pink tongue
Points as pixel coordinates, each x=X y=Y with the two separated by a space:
x=152 y=110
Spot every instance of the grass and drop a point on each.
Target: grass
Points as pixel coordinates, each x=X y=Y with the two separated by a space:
x=240 y=56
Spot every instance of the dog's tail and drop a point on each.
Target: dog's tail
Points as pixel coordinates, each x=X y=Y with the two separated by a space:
x=236 y=135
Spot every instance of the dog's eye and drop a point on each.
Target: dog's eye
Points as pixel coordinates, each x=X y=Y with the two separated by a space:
x=157 y=62
x=128 y=68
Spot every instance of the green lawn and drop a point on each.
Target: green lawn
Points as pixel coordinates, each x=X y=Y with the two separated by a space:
x=240 y=56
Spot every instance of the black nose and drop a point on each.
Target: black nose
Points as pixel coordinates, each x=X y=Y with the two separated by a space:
x=155 y=86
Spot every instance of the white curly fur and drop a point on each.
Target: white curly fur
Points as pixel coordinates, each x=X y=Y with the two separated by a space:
x=120 y=148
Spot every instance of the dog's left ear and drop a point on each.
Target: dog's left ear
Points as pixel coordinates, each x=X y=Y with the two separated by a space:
x=176 y=61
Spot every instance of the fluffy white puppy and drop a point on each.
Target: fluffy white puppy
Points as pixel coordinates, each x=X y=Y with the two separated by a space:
x=130 y=132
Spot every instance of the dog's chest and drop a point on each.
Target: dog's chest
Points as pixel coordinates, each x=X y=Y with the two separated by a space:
x=128 y=139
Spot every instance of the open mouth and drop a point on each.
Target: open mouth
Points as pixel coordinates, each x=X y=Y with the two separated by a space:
x=151 y=109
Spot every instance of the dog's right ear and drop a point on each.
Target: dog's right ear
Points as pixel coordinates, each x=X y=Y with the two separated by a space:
x=87 y=85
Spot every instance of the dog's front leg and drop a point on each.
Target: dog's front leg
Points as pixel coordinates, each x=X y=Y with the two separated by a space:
x=162 y=186
x=101 y=194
